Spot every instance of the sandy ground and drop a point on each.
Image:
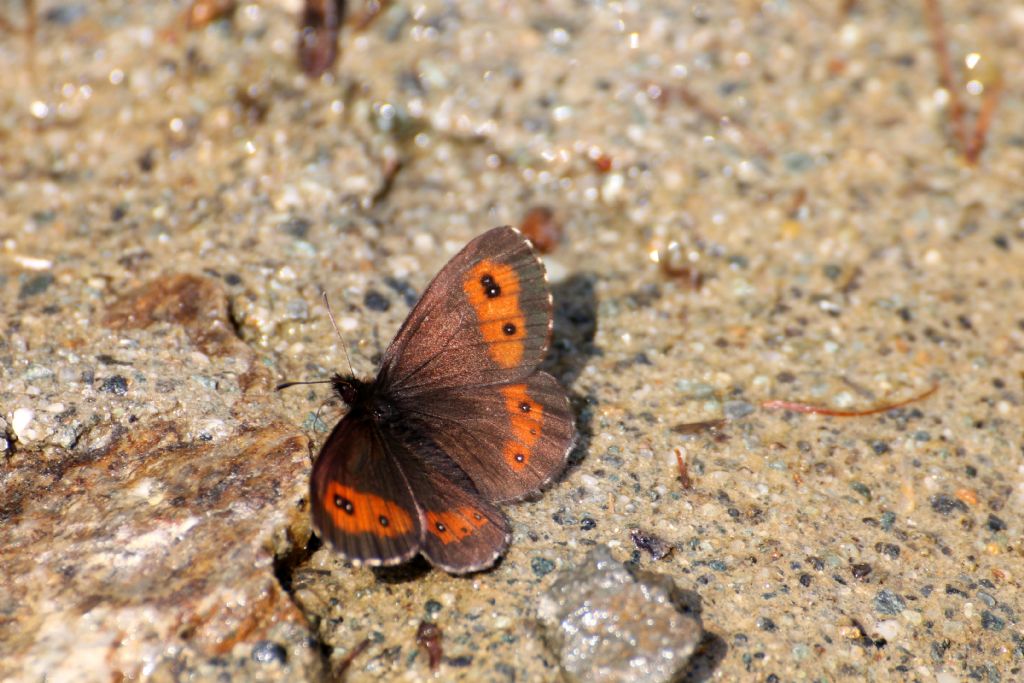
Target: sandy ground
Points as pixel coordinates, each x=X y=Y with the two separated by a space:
x=758 y=201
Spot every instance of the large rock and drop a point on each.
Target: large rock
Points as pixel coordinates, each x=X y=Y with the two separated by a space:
x=115 y=560
x=140 y=526
x=606 y=622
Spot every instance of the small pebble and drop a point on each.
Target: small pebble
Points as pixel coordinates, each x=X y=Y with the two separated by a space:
x=65 y=15
x=862 y=490
x=542 y=566
x=297 y=309
x=861 y=571
x=409 y=295
x=735 y=410
x=890 y=550
x=376 y=301
x=888 y=519
x=35 y=285
x=20 y=421
x=654 y=545
x=991 y=622
x=267 y=651
x=945 y=505
x=888 y=602
x=995 y=524
x=116 y=385
x=37 y=372
x=888 y=629
x=297 y=227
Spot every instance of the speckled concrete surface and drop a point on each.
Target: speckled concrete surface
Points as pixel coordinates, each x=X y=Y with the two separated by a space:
x=795 y=160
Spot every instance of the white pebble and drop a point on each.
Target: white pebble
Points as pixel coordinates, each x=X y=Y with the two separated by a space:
x=423 y=242
x=20 y=421
x=612 y=187
x=557 y=272
x=888 y=629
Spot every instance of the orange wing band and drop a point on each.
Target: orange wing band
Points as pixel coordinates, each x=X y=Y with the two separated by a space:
x=493 y=290
x=527 y=417
x=365 y=513
x=455 y=525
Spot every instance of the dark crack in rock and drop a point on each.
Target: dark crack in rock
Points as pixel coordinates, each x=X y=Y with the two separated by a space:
x=604 y=622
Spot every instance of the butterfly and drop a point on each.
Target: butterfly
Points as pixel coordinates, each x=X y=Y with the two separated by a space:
x=458 y=419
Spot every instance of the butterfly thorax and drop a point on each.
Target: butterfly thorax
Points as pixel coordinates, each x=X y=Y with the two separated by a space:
x=363 y=398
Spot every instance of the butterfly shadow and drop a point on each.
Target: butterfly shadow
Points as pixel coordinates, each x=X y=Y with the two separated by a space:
x=412 y=570
x=418 y=567
x=572 y=347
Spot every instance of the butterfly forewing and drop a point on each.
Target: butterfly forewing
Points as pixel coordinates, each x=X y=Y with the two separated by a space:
x=484 y=319
x=361 y=501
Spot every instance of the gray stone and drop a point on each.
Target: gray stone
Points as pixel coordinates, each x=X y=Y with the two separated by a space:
x=605 y=622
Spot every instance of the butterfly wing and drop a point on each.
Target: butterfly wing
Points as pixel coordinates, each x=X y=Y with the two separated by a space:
x=361 y=501
x=461 y=533
x=464 y=367
x=510 y=439
x=484 y=319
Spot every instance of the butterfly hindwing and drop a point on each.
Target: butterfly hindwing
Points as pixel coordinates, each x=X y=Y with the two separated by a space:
x=361 y=502
x=461 y=532
x=510 y=439
x=484 y=319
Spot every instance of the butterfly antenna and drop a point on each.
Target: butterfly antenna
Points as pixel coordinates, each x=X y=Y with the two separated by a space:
x=344 y=344
x=285 y=385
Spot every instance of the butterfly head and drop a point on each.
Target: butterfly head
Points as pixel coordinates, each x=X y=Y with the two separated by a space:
x=363 y=397
x=351 y=390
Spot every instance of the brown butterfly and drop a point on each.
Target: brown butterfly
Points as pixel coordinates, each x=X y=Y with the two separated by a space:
x=458 y=419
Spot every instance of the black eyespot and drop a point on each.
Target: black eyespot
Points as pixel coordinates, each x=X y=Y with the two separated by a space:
x=520 y=457
x=441 y=527
x=524 y=406
x=509 y=329
x=383 y=520
x=491 y=288
x=477 y=516
x=533 y=432
x=343 y=503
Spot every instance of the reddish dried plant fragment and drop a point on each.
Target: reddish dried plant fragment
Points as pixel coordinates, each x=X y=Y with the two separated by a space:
x=428 y=636
x=344 y=664
x=542 y=228
x=202 y=12
x=318 y=35
x=797 y=407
